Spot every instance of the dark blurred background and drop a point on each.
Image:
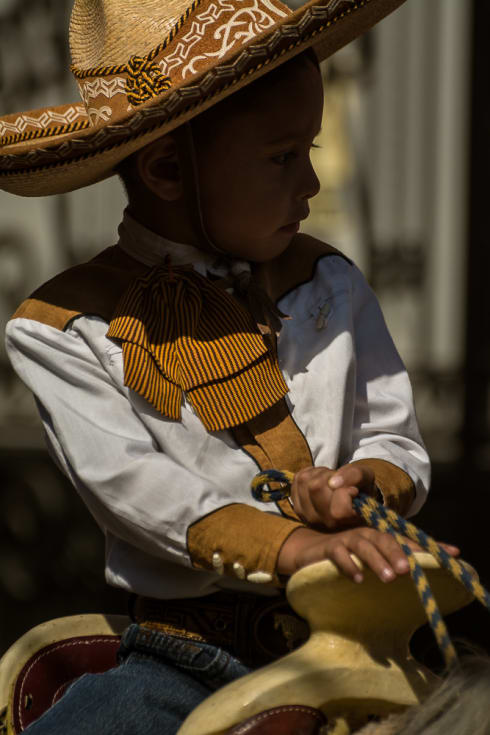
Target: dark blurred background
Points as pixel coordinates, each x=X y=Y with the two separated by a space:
x=404 y=165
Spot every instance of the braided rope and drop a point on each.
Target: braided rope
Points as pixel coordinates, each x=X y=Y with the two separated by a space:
x=261 y=490
x=375 y=519
x=386 y=520
x=455 y=566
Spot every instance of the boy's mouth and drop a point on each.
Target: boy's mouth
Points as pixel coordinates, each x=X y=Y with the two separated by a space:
x=292 y=228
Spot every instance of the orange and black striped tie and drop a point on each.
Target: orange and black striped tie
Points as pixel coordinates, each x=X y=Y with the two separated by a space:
x=181 y=333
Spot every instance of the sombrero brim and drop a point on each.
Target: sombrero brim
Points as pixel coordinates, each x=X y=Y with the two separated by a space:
x=65 y=161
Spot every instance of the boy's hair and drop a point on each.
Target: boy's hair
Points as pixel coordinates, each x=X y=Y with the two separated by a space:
x=127 y=169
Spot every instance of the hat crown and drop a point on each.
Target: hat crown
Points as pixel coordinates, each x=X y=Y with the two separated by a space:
x=144 y=67
x=104 y=32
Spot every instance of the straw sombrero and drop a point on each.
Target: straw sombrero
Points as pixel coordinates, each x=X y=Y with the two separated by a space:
x=146 y=66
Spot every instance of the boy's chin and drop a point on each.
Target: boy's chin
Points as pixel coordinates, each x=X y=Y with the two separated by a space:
x=264 y=249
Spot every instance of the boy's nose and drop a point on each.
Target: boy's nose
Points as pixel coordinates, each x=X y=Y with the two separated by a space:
x=311 y=182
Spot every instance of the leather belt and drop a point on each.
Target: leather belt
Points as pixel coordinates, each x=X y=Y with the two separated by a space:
x=254 y=629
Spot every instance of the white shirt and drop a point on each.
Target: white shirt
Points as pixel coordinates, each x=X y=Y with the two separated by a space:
x=146 y=479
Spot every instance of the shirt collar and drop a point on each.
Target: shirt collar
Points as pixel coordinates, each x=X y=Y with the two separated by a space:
x=151 y=249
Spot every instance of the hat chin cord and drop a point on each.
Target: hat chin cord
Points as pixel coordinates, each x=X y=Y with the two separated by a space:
x=192 y=195
x=265 y=313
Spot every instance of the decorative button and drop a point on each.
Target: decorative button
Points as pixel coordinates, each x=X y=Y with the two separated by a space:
x=239 y=570
x=218 y=563
x=259 y=577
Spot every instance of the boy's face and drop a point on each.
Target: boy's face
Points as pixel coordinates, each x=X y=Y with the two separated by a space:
x=254 y=163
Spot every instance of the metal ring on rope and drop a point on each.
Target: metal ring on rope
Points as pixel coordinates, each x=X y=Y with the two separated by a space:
x=386 y=520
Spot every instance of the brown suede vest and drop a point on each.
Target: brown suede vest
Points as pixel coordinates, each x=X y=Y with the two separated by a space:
x=95 y=287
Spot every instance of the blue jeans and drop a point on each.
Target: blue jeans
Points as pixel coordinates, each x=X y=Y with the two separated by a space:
x=160 y=679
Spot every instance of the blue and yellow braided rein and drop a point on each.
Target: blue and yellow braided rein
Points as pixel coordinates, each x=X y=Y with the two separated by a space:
x=383 y=519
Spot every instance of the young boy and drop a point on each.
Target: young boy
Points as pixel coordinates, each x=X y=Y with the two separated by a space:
x=165 y=370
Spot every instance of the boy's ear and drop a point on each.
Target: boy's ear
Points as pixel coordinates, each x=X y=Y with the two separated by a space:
x=159 y=169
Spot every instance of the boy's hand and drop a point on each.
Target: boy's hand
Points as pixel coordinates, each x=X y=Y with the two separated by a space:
x=378 y=551
x=323 y=497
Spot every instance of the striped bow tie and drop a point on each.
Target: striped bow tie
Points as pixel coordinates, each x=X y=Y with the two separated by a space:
x=182 y=333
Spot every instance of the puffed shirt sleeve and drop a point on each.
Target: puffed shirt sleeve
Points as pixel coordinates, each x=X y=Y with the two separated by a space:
x=384 y=419
x=350 y=391
x=129 y=464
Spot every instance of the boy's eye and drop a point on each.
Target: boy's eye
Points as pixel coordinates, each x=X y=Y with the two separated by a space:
x=282 y=158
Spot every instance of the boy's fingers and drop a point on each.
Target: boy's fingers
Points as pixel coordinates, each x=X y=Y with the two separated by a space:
x=375 y=559
x=341 y=556
x=352 y=475
x=377 y=550
x=337 y=552
x=345 y=476
x=333 y=507
x=341 y=504
x=393 y=552
x=312 y=496
x=450 y=548
x=318 y=503
x=380 y=552
x=412 y=544
x=313 y=504
x=299 y=495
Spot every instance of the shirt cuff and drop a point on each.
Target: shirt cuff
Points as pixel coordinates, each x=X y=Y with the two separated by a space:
x=240 y=541
x=394 y=484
